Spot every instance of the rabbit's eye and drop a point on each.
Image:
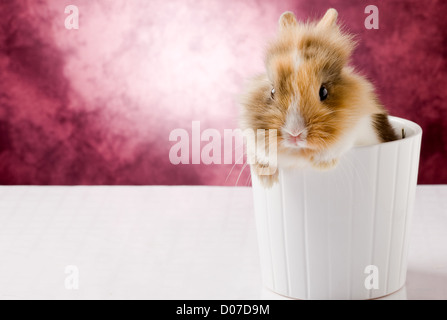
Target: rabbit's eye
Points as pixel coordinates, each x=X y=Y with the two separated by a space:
x=272 y=93
x=323 y=93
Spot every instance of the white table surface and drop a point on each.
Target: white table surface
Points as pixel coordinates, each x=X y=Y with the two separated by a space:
x=167 y=243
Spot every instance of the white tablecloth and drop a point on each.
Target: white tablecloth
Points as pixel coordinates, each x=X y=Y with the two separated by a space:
x=160 y=242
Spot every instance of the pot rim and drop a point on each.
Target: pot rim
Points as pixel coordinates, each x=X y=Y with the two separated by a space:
x=413 y=127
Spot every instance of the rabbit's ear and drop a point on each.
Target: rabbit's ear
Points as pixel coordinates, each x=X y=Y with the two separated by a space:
x=329 y=20
x=287 y=20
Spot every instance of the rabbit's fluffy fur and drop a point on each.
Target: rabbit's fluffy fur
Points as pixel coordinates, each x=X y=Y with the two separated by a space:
x=304 y=58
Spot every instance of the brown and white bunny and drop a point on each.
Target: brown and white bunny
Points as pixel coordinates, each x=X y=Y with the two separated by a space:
x=318 y=105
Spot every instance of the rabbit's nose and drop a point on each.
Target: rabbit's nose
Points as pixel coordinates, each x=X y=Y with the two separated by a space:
x=295 y=138
x=296 y=133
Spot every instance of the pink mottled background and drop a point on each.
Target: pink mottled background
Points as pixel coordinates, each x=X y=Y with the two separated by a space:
x=96 y=105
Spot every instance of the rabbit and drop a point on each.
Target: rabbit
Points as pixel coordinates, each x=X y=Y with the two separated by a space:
x=318 y=105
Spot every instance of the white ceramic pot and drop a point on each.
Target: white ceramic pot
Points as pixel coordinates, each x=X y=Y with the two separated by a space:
x=319 y=231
